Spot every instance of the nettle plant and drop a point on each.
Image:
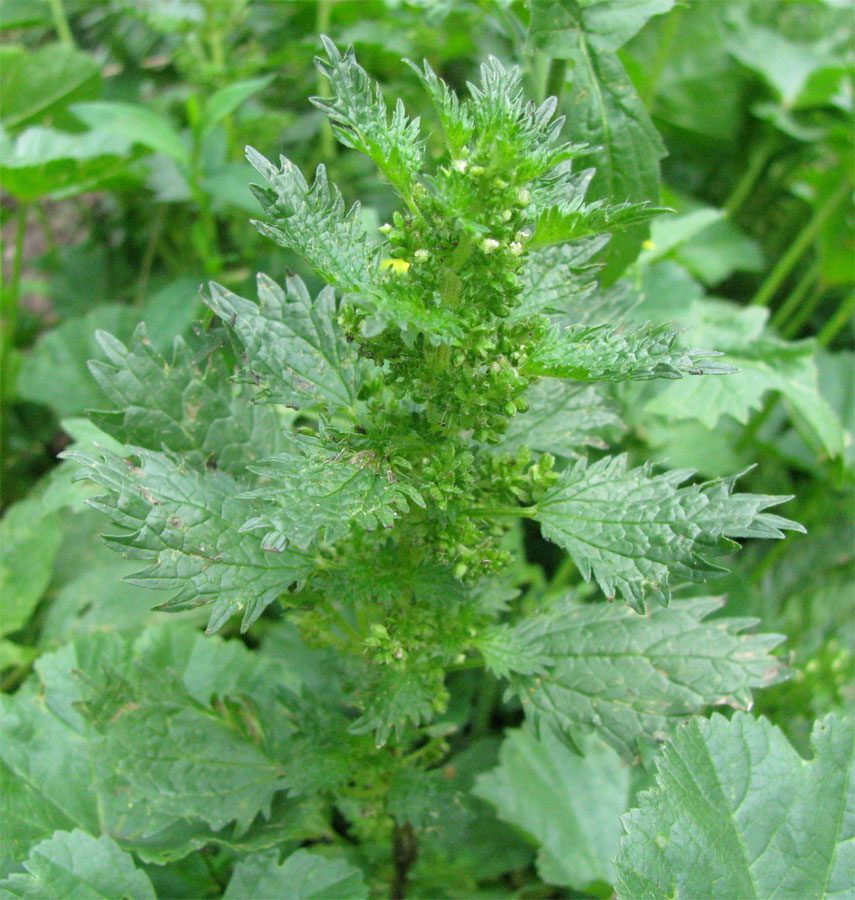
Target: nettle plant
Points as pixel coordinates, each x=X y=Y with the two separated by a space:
x=362 y=459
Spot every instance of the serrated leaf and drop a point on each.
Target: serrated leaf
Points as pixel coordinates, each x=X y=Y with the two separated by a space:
x=566 y=222
x=570 y=804
x=606 y=353
x=313 y=222
x=630 y=676
x=505 y=649
x=562 y=418
x=187 y=522
x=736 y=812
x=316 y=491
x=634 y=532
x=75 y=864
x=301 y=876
x=603 y=107
x=361 y=121
x=292 y=348
x=182 y=405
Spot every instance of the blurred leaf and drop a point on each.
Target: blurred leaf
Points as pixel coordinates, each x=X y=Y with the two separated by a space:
x=222 y=103
x=75 y=864
x=737 y=813
x=23 y=14
x=136 y=124
x=302 y=876
x=570 y=804
x=42 y=162
x=36 y=83
x=668 y=232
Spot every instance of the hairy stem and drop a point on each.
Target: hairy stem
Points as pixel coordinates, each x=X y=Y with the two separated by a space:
x=322 y=26
x=60 y=22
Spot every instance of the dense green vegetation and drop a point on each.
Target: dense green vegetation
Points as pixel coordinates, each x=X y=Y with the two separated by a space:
x=445 y=470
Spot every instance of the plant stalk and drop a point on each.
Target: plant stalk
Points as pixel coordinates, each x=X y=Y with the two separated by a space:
x=792 y=328
x=322 y=26
x=12 y=298
x=843 y=315
x=800 y=244
x=60 y=22
x=745 y=185
x=791 y=304
x=405 y=851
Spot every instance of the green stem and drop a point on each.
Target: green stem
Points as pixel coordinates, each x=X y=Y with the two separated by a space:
x=791 y=304
x=148 y=255
x=800 y=244
x=11 y=297
x=837 y=321
x=484 y=703
x=556 y=78
x=322 y=26
x=745 y=185
x=50 y=240
x=803 y=313
x=60 y=22
x=663 y=51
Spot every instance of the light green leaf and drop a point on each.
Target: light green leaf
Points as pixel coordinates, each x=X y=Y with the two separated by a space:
x=135 y=123
x=294 y=352
x=736 y=812
x=43 y=162
x=30 y=536
x=302 y=876
x=765 y=364
x=37 y=82
x=669 y=232
x=360 y=119
x=570 y=804
x=632 y=677
x=634 y=532
x=186 y=522
x=186 y=406
x=75 y=864
x=606 y=353
x=222 y=103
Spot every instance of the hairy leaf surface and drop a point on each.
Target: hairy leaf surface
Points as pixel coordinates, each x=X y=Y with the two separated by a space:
x=187 y=523
x=736 y=812
x=632 y=676
x=635 y=532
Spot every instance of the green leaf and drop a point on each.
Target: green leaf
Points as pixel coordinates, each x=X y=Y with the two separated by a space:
x=37 y=82
x=633 y=531
x=43 y=162
x=187 y=523
x=570 y=804
x=183 y=405
x=30 y=537
x=24 y=14
x=360 y=119
x=136 y=124
x=75 y=864
x=765 y=364
x=319 y=492
x=562 y=418
x=301 y=876
x=630 y=676
x=566 y=222
x=606 y=353
x=603 y=108
x=736 y=812
x=293 y=350
x=313 y=222
x=222 y=103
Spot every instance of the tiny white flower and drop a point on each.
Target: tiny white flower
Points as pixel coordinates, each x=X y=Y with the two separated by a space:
x=524 y=196
x=385 y=228
x=488 y=245
x=421 y=255
x=516 y=249
x=459 y=165
x=506 y=215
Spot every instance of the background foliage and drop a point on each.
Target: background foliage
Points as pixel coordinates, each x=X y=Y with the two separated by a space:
x=125 y=187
